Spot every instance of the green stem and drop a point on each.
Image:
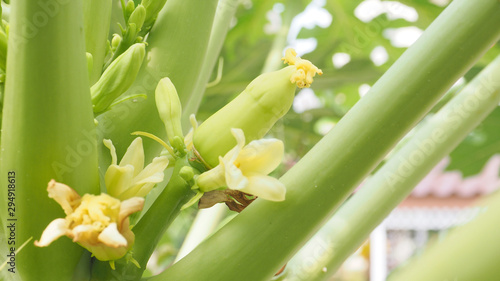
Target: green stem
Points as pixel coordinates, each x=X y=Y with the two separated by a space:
x=223 y=16
x=97 y=17
x=150 y=228
x=356 y=219
x=260 y=240
x=48 y=128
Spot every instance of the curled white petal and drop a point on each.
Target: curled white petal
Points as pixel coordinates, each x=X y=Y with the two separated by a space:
x=112 y=237
x=63 y=195
x=129 y=207
x=54 y=230
x=82 y=233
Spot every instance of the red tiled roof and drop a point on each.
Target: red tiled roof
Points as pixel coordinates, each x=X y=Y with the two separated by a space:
x=439 y=183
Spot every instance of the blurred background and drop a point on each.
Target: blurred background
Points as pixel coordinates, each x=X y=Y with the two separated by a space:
x=354 y=43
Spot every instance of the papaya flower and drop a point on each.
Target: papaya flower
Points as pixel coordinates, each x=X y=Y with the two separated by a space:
x=130 y=178
x=99 y=223
x=263 y=102
x=246 y=167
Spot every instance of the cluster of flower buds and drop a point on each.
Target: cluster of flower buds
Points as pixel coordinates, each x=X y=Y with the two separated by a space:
x=117 y=78
x=152 y=7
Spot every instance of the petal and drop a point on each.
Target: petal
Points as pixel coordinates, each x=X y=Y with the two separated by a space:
x=153 y=172
x=54 y=230
x=129 y=207
x=240 y=143
x=112 y=237
x=239 y=135
x=212 y=179
x=265 y=187
x=138 y=190
x=112 y=150
x=261 y=156
x=234 y=177
x=66 y=196
x=134 y=156
x=84 y=233
x=118 y=179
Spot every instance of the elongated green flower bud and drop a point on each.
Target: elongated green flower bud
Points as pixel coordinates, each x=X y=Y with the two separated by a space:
x=169 y=108
x=138 y=16
x=265 y=100
x=117 y=78
x=129 y=9
x=153 y=7
x=115 y=41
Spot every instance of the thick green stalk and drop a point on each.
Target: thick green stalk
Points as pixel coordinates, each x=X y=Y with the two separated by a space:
x=48 y=129
x=223 y=16
x=150 y=228
x=176 y=49
x=353 y=222
x=259 y=241
x=468 y=253
x=97 y=17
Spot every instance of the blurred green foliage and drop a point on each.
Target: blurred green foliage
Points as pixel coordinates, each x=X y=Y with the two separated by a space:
x=248 y=45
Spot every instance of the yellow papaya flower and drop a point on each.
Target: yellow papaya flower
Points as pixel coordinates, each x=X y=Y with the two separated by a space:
x=99 y=223
x=246 y=167
x=130 y=178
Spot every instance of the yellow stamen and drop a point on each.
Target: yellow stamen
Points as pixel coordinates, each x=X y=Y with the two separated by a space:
x=305 y=70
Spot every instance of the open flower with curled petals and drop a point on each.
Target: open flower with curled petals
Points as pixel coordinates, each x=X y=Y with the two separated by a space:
x=99 y=223
x=130 y=178
x=246 y=167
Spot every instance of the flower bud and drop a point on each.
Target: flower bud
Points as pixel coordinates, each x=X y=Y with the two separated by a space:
x=169 y=108
x=115 y=41
x=186 y=173
x=129 y=8
x=153 y=7
x=117 y=78
x=138 y=16
x=265 y=100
